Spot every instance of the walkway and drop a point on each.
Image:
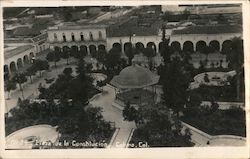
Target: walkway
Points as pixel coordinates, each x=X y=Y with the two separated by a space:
x=114 y=114
x=31 y=89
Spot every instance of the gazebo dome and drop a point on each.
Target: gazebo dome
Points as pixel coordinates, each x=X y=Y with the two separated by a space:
x=134 y=76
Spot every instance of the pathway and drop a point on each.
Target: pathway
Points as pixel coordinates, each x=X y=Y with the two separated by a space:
x=31 y=89
x=113 y=114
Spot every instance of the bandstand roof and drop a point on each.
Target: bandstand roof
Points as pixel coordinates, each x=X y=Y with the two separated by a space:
x=134 y=76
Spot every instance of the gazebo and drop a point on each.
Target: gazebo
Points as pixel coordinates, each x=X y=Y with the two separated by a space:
x=134 y=85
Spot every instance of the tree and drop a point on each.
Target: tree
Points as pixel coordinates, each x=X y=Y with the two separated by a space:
x=166 y=50
x=65 y=55
x=53 y=56
x=20 y=78
x=175 y=83
x=101 y=55
x=236 y=60
x=156 y=126
x=130 y=53
x=41 y=65
x=80 y=87
x=31 y=71
x=113 y=60
x=130 y=113
x=149 y=53
x=68 y=71
x=10 y=85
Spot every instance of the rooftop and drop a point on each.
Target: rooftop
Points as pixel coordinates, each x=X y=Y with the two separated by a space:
x=134 y=76
x=25 y=31
x=76 y=26
x=10 y=53
x=213 y=29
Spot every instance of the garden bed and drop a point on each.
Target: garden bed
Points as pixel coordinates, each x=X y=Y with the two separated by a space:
x=139 y=140
x=219 y=122
x=218 y=94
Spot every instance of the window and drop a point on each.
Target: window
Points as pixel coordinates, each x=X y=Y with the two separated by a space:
x=55 y=37
x=64 y=37
x=100 y=35
x=72 y=36
x=82 y=37
x=91 y=36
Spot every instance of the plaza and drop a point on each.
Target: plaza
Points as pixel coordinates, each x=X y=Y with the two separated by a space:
x=123 y=64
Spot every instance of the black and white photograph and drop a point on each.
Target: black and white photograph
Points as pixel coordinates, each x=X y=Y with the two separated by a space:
x=124 y=76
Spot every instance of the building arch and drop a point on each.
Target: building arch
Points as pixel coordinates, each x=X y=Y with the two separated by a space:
x=57 y=48
x=13 y=67
x=6 y=68
x=176 y=46
x=25 y=59
x=74 y=50
x=92 y=50
x=117 y=46
x=65 y=49
x=101 y=47
x=161 y=47
x=139 y=46
x=201 y=46
x=83 y=50
x=19 y=63
x=214 y=45
x=151 y=45
x=32 y=55
x=188 y=46
x=226 y=46
x=127 y=46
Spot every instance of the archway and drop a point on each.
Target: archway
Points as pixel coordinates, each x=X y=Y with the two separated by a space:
x=161 y=47
x=92 y=50
x=151 y=45
x=19 y=63
x=117 y=46
x=83 y=50
x=66 y=49
x=74 y=51
x=127 y=46
x=188 y=46
x=31 y=55
x=139 y=46
x=201 y=46
x=226 y=46
x=176 y=46
x=214 y=45
x=25 y=59
x=57 y=48
x=6 y=68
x=101 y=47
x=13 y=66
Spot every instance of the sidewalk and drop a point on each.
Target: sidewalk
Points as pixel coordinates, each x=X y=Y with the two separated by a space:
x=114 y=114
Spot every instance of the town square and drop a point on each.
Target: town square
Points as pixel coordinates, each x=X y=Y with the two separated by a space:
x=146 y=76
